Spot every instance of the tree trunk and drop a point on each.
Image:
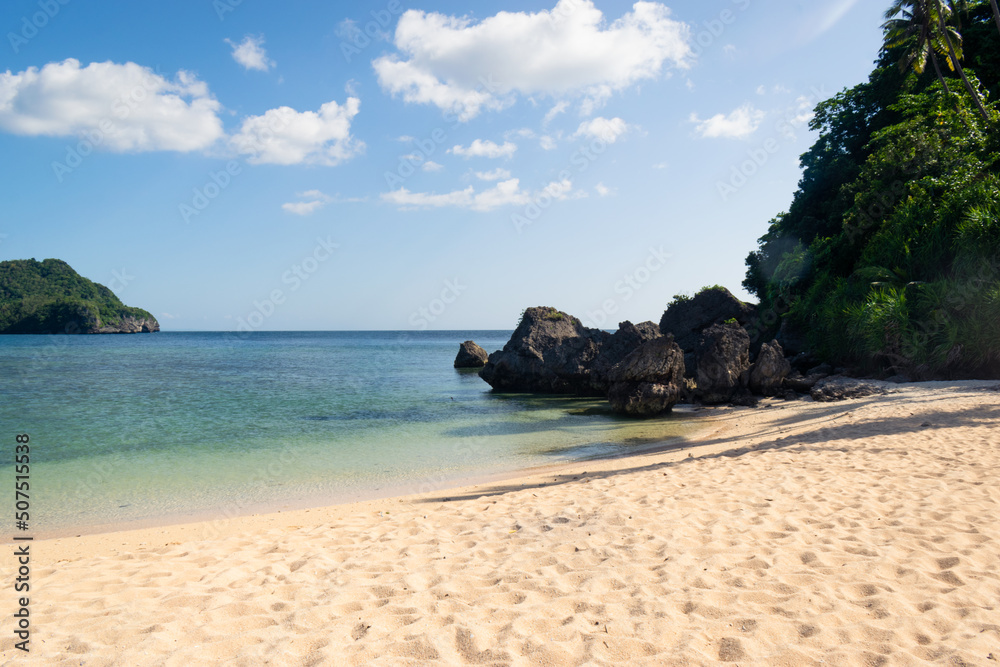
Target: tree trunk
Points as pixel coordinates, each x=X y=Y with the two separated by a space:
x=937 y=70
x=996 y=13
x=958 y=67
x=947 y=90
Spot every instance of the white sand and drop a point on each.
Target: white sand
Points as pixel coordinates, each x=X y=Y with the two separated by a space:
x=858 y=533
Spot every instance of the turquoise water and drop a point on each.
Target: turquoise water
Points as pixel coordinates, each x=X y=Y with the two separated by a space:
x=168 y=425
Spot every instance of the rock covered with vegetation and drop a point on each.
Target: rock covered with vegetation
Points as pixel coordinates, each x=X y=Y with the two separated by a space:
x=49 y=297
x=686 y=317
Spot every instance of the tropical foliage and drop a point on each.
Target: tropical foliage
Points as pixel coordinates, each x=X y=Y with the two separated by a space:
x=50 y=297
x=888 y=258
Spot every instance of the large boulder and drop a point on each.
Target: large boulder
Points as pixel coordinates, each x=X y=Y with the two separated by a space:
x=621 y=343
x=549 y=352
x=723 y=358
x=470 y=355
x=552 y=352
x=687 y=318
x=768 y=373
x=649 y=380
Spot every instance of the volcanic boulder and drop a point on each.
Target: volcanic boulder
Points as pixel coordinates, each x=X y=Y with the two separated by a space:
x=649 y=380
x=470 y=355
x=723 y=362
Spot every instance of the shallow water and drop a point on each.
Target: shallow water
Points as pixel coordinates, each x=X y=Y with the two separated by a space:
x=143 y=427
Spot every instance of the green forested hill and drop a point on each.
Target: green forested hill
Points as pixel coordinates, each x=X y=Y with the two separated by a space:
x=888 y=258
x=50 y=297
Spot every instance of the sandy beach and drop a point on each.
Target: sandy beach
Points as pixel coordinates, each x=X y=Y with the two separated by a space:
x=863 y=532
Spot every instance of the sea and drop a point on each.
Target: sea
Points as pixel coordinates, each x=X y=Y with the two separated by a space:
x=129 y=430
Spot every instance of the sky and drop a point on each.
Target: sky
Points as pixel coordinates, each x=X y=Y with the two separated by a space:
x=410 y=164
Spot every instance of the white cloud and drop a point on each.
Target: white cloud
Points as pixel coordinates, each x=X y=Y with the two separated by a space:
x=547 y=143
x=504 y=193
x=487 y=148
x=314 y=199
x=604 y=190
x=497 y=174
x=569 y=51
x=118 y=107
x=661 y=165
x=251 y=54
x=286 y=136
x=559 y=108
x=739 y=124
x=607 y=130
x=431 y=165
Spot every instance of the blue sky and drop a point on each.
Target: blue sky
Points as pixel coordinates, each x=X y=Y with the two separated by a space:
x=399 y=165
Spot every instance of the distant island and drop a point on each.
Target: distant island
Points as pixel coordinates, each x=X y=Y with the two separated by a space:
x=49 y=297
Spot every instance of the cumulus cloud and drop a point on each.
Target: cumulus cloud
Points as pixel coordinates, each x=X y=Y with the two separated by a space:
x=570 y=51
x=504 y=193
x=251 y=54
x=312 y=200
x=286 y=136
x=431 y=165
x=497 y=174
x=604 y=190
x=481 y=148
x=117 y=107
x=607 y=130
x=739 y=124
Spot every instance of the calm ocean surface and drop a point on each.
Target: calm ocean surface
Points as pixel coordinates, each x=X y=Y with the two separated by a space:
x=173 y=425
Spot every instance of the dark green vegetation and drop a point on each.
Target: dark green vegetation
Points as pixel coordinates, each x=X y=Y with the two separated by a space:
x=888 y=258
x=50 y=297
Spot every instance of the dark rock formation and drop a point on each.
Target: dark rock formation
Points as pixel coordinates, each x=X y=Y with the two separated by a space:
x=803 y=383
x=723 y=358
x=768 y=372
x=839 y=388
x=688 y=318
x=470 y=355
x=552 y=352
x=623 y=342
x=649 y=380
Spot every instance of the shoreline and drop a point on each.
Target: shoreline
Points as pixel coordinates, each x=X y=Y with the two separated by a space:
x=209 y=523
x=854 y=532
x=405 y=491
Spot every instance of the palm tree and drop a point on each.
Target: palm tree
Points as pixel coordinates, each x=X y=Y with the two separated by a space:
x=953 y=40
x=923 y=29
x=917 y=31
